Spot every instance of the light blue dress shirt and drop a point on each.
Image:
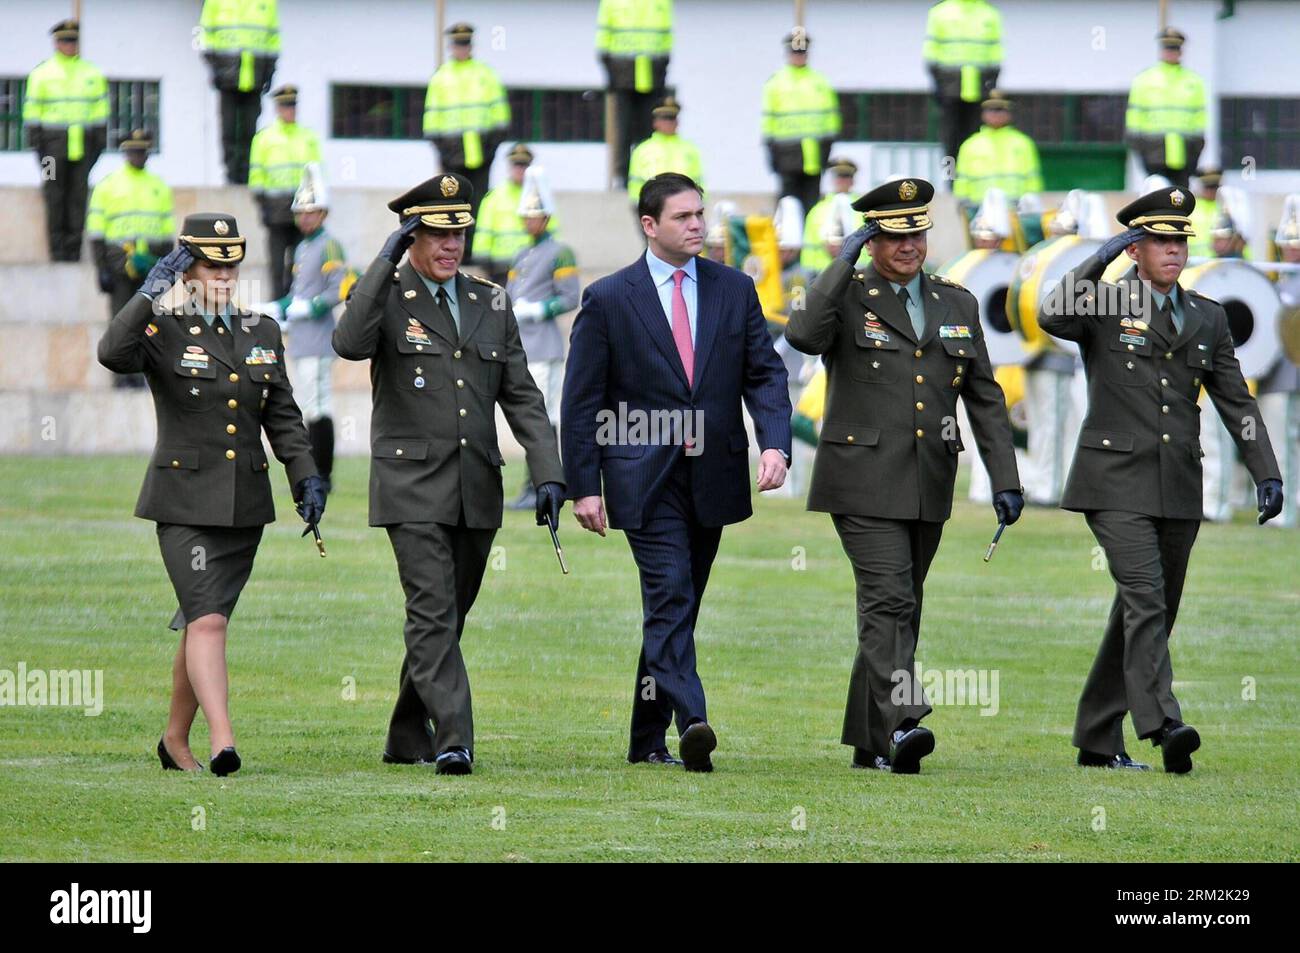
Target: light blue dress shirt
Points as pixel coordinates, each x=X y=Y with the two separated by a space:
x=915 y=306
x=661 y=273
x=452 y=301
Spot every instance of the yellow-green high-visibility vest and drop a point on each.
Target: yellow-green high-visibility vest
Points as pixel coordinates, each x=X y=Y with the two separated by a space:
x=964 y=35
x=1004 y=158
x=131 y=207
x=464 y=96
x=66 y=94
x=277 y=157
x=499 y=232
x=235 y=26
x=1203 y=217
x=798 y=103
x=635 y=27
x=662 y=153
x=1167 y=100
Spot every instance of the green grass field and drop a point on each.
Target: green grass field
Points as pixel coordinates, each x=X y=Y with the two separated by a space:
x=552 y=662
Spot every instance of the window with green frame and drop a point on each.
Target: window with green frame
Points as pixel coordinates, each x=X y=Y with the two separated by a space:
x=1265 y=131
x=132 y=104
x=397 y=112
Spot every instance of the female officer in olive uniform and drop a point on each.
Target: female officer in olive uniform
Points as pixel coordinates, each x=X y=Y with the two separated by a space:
x=217 y=376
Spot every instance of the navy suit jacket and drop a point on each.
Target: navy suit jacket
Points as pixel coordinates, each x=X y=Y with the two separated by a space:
x=623 y=366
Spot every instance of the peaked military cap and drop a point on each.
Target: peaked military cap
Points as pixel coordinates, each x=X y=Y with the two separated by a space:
x=520 y=154
x=1162 y=212
x=996 y=100
x=666 y=108
x=842 y=166
x=899 y=207
x=214 y=236
x=441 y=202
x=460 y=32
x=66 y=30
x=1210 y=177
x=1171 y=39
x=286 y=95
x=797 y=40
x=139 y=139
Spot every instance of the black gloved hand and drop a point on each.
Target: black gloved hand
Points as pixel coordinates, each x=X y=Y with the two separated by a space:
x=1007 y=504
x=852 y=247
x=398 y=242
x=550 y=498
x=310 y=497
x=1113 y=246
x=164 y=274
x=105 y=278
x=1269 y=496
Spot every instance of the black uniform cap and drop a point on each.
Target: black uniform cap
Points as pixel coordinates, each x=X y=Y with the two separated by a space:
x=899 y=207
x=1162 y=212
x=214 y=236
x=441 y=202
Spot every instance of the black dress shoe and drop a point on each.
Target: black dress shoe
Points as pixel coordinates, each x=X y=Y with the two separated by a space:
x=397 y=759
x=697 y=743
x=907 y=748
x=169 y=763
x=862 y=758
x=454 y=761
x=1091 y=759
x=658 y=757
x=224 y=762
x=1176 y=747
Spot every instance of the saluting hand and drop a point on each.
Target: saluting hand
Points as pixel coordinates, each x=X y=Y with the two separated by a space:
x=398 y=242
x=1113 y=246
x=852 y=247
x=164 y=274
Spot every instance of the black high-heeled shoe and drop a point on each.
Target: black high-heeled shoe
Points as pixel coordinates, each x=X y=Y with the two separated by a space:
x=224 y=762
x=169 y=763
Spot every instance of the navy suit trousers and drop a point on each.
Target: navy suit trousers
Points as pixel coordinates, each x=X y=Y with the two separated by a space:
x=673 y=554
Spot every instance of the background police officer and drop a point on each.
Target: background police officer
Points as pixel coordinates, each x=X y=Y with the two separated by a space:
x=801 y=118
x=277 y=159
x=900 y=347
x=634 y=40
x=465 y=116
x=1165 y=120
x=65 y=112
x=240 y=40
x=130 y=226
x=963 y=49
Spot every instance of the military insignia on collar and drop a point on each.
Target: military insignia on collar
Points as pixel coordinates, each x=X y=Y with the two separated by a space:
x=873 y=291
x=907 y=191
x=195 y=330
x=408 y=295
x=473 y=296
x=447 y=186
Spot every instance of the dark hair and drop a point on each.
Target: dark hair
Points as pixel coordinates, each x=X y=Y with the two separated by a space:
x=659 y=189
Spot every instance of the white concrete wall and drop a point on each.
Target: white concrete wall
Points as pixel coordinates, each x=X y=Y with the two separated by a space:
x=725 y=49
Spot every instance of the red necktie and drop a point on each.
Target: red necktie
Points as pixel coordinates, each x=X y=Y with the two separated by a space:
x=682 y=328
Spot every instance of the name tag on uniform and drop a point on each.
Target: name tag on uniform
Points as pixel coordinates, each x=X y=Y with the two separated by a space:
x=874 y=335
x=262 y=355
x=954 y=331
x=1132 y=339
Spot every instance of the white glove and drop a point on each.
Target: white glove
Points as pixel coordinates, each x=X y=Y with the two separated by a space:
x=271 y=309
x=528 y=311
x=298 y=308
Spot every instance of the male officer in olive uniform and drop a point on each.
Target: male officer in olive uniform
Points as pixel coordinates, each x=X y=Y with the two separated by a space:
x=1148 y=348
x=900 y=347
x=444 y=350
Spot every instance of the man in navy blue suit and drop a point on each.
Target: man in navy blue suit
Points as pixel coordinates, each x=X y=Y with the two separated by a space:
x=661 y=356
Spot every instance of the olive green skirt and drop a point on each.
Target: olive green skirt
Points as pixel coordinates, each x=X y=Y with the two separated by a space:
x=208 y=566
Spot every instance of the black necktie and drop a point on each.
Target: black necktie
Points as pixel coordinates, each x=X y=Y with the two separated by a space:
x=1165 y=320
x=905 y=299
x=444 y=305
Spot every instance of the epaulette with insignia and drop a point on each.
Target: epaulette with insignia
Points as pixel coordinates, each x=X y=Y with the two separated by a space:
x=482 y=281
x=943 y=280
x=1203 y=297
